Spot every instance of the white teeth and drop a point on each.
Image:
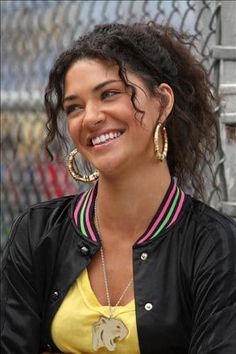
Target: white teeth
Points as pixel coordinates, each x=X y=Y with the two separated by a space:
x=96 y=141
x=105 y=137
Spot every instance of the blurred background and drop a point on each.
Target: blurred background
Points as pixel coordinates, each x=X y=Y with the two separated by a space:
x=35 y=32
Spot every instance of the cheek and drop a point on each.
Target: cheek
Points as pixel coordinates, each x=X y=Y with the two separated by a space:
x=73 y=129
x=125 y=107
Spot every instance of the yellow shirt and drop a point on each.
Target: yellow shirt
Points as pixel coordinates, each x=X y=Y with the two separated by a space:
x=72 y=327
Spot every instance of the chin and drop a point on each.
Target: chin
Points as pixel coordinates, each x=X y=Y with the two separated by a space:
x=110 y=170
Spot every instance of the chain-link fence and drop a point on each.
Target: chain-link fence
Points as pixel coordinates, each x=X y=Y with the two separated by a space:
x=33 y=33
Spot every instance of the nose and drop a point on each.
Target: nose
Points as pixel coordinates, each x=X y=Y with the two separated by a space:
x=93 y=117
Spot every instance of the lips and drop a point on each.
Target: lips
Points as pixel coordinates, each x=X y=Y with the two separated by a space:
x=104 y=138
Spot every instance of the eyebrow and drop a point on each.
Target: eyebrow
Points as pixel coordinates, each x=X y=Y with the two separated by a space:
x=95 y=89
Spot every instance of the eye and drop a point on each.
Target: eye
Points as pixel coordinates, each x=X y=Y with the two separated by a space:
x=109 y=93
x=72 y=108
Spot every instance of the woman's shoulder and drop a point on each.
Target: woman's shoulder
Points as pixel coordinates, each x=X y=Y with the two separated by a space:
x=209 y=239
x=207 y=214
x=49 y=208
x=38 y=219
x=214 y=222
x=53 y=203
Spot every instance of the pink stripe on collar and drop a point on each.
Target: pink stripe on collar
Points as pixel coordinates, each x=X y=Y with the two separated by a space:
x=160 y=215
x=88 y=224
x=76 y=211
x=179 y=208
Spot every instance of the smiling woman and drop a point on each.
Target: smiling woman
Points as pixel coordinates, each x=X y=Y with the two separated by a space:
x=101 y=118
x=134 y=264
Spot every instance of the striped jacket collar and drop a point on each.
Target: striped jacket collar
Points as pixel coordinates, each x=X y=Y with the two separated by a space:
x=166 y=215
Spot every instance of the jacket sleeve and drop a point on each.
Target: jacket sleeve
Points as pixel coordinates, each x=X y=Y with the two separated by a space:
x=214 y=290
x=20 y=310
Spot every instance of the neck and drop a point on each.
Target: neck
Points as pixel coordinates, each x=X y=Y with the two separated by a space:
x=121 y=202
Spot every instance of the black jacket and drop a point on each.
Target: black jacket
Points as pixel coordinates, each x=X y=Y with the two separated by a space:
x=188 y=277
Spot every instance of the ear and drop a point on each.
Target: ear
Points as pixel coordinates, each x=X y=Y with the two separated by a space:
x=103 y=320
x=167 y=101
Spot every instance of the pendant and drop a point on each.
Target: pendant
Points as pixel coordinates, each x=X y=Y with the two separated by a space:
x=106 y=331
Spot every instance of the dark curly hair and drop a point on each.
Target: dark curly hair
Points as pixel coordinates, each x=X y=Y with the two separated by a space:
x=157 y=53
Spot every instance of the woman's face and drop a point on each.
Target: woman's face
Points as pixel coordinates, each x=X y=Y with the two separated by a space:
x=101 y=117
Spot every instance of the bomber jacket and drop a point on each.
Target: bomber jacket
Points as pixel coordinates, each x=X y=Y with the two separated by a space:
x=185 y=286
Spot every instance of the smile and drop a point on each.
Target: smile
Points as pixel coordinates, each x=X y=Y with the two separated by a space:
x=104 y=138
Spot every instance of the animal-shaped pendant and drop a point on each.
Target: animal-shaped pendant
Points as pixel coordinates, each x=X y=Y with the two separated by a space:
x=106 y=331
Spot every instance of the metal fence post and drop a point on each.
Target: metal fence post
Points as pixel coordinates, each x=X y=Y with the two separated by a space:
x=226 y=54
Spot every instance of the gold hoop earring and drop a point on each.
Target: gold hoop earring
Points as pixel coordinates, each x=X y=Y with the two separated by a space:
x=161 y=155
x=71 y=165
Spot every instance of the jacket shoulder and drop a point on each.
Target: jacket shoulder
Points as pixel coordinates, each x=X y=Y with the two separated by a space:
x=206 y=215
x=53 y=203
x=50 y=212
x=211 y=223
x=39 y=219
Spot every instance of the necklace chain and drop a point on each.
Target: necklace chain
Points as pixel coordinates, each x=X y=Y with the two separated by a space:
x=105 y=272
